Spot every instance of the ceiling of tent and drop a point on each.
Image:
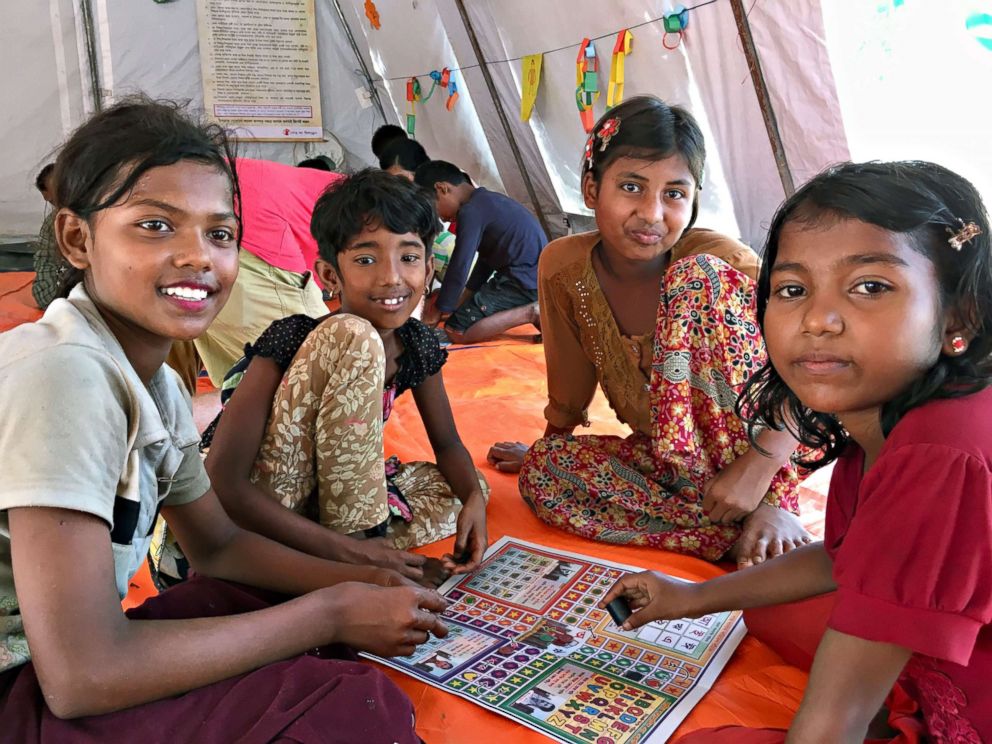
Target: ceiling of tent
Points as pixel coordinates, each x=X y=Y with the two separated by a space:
x=152 y=47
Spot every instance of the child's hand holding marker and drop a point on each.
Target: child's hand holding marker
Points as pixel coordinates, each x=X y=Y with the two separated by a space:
x=651 y=596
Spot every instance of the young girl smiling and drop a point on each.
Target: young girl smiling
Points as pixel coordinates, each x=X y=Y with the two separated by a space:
x=298 y=451
x=96 y=437
x=661 y=316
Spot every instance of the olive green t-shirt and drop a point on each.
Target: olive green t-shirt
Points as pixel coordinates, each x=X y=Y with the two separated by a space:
x=79 y=430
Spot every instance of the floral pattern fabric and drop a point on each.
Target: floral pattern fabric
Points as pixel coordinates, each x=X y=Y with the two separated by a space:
x=648 y=490
x=322 y=453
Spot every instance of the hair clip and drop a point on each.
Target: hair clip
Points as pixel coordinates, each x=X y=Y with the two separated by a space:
x=606 y=132
x=962 y=236
x=588 y=152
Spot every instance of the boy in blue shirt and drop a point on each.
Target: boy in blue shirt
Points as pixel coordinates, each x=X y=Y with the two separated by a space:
x=500 y=292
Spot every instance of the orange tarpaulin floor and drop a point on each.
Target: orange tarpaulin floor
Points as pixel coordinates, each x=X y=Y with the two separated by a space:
x=498 y=392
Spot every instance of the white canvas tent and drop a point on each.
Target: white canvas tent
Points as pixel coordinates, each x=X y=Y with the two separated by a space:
x=841 y=78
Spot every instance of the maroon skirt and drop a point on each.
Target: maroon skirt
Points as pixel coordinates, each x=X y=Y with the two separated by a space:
x=325 y=696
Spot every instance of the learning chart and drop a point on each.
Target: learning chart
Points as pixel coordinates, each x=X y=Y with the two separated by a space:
x=528 y=642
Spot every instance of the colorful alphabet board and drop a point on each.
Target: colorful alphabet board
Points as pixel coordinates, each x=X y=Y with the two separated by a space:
x=527 y=641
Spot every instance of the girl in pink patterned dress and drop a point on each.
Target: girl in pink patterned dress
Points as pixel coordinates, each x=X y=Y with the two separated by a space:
x=687 y=479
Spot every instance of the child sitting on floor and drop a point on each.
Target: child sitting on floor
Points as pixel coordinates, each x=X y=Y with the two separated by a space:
x=500 y=292
x=876 y=304
x=96 y=436
x=660 y=314
x=298 y=447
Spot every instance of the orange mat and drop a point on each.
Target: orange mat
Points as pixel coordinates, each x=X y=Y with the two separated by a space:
x=16 y=303
x=498 y=392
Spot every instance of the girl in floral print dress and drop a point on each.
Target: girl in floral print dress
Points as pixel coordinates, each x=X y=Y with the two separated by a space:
x=687 y=479
x=298 y=449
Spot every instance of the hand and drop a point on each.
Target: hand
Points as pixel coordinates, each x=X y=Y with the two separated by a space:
x=387 y=577
x=769 y=532
x=431 y=316
x=507 y=457
x=471 y=539
x=378 y=552
x=652 y=596
x=736 y=491
x=385 y=622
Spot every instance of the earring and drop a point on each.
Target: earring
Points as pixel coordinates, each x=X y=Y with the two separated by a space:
x=959 y=345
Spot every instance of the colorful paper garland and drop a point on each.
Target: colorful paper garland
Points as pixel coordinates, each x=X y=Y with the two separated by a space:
x=372 y=13
x=623 y=46
x=586 y=83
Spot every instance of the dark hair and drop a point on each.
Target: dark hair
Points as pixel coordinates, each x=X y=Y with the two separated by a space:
x=371 y=197
x=440 y=171
x=928 y=203
x=385 y=136
x=320 y=162
x=406 y=153
x=646 y=128
x=104 y=158
x=42 y=177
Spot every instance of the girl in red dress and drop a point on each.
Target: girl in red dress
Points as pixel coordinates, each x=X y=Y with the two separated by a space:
x=876 y=304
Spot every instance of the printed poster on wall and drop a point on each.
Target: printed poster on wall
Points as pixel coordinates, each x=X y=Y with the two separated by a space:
x=259 y=64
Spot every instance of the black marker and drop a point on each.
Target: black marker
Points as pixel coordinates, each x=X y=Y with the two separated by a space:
x=619 y=610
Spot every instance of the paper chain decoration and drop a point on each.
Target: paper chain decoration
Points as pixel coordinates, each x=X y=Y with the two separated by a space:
x=614 y=94
x=586 y=73
x=443 y=78
x=414 y=93
x=586 y=83
x=372 y=13
x=675 y=24
x=412 y=96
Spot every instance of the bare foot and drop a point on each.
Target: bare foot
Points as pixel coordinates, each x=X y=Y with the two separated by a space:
x=768 y=532
x=535 y=317
x=435 y=573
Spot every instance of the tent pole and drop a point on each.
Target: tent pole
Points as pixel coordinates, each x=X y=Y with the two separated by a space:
x=361 y=61
x=764 y=97
x=86 y=11
x=504 y=121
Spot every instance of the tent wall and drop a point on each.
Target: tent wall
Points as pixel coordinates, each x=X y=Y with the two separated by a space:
x=708 y=73
x=43 y=98
x=153 y=48
x=413 y=36
x=141 y=46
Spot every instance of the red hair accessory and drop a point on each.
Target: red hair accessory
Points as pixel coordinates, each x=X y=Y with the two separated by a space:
x=588 y=152
x=606 y=132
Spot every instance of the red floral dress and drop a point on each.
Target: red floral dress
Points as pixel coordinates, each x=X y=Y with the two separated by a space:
x=647 y=490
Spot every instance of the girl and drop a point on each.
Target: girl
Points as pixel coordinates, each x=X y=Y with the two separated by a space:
x=876 y=303
x=686 y=478
x=96 y=436
x=299 y=445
